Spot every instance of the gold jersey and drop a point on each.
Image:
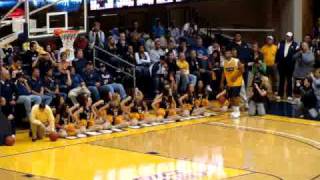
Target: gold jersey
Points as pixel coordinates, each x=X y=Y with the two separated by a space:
x=231 y=72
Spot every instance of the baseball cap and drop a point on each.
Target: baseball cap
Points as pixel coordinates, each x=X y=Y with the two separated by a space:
x=290 y=34
x=270 y=37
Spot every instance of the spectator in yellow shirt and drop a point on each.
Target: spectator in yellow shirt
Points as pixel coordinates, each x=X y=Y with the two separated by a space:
x=183 y=76
x=42 y=121
x=269 y=51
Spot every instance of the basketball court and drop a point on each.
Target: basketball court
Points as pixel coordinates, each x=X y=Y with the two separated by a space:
x=209 y=148
x=250 y=148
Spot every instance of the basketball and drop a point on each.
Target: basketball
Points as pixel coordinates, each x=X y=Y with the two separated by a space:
x=53 y=136
x=222 y=99
x=57 y=32
x=10 y=141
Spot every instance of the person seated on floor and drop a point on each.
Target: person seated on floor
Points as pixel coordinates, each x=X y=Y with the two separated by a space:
x=202 y=94
x=62 y=114
x=134 y=108
x=259 y=97
x=190 y=102
x=102 y=118
x=308 y=105
x=84 y=116
x=164 y=105
x=114 y=109
x=42 y=121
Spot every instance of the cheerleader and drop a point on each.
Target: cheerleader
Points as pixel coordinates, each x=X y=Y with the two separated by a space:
x=164 y=105
x=134 y=109
x=84 y=117
x=202 y=94
x=189 y=104
x=62 y=115
x=114 y=109
x=102 y=118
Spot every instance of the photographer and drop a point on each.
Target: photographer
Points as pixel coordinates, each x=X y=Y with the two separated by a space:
x=259 y=96
x=308 y=105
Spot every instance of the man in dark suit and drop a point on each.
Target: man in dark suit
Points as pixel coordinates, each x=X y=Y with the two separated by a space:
x=286 y=49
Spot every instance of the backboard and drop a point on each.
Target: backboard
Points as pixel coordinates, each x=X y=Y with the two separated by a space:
x=43 y=16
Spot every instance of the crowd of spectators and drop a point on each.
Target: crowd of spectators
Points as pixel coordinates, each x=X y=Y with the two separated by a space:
x=283 y=70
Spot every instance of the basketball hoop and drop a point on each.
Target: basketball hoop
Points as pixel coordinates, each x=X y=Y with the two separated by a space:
x=67 y=37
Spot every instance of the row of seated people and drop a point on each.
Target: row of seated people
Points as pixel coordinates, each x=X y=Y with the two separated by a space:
x=116 y=113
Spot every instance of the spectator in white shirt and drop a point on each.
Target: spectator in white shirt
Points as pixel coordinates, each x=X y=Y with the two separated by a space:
x=96 y=36
x=157 y=52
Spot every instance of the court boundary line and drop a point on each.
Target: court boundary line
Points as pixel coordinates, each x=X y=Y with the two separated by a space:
x=315 y=177
x=285 y=121
x=22 y=174
x=242 y=175
x=301 y=139
x=307 y=122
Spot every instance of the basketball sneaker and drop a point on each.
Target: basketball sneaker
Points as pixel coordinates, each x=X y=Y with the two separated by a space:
x=236 y=112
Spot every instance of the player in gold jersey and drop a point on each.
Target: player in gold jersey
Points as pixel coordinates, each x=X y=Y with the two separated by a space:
x=232 y=74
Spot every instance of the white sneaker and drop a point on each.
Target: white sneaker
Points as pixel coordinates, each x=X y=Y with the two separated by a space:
x=209 y=88
x=224 y=108
x=296 y=101
x=235 y=115
x=290 y=100
x=278 y=98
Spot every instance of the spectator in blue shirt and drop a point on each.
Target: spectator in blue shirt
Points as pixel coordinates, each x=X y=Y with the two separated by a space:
x=108 y=85
x=79 y=62
x=92 y=80
x=37 y=87
x=202 y=57
x=24 y=93
x=158 y=30
x=77 y=85
x=51 y=87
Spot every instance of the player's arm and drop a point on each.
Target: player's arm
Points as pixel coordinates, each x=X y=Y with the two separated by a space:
x=95 y=105
x=223 y=78
x=182 y=98
x=155 y=103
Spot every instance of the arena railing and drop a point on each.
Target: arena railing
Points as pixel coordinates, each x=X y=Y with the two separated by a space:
x=251 y=34
x=106 y=61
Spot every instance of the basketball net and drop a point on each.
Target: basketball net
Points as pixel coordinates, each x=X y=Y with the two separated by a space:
x=68 y=37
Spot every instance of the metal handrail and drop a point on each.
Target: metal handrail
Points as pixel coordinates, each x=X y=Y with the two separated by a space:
x=115 y=56
x=133 y=66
